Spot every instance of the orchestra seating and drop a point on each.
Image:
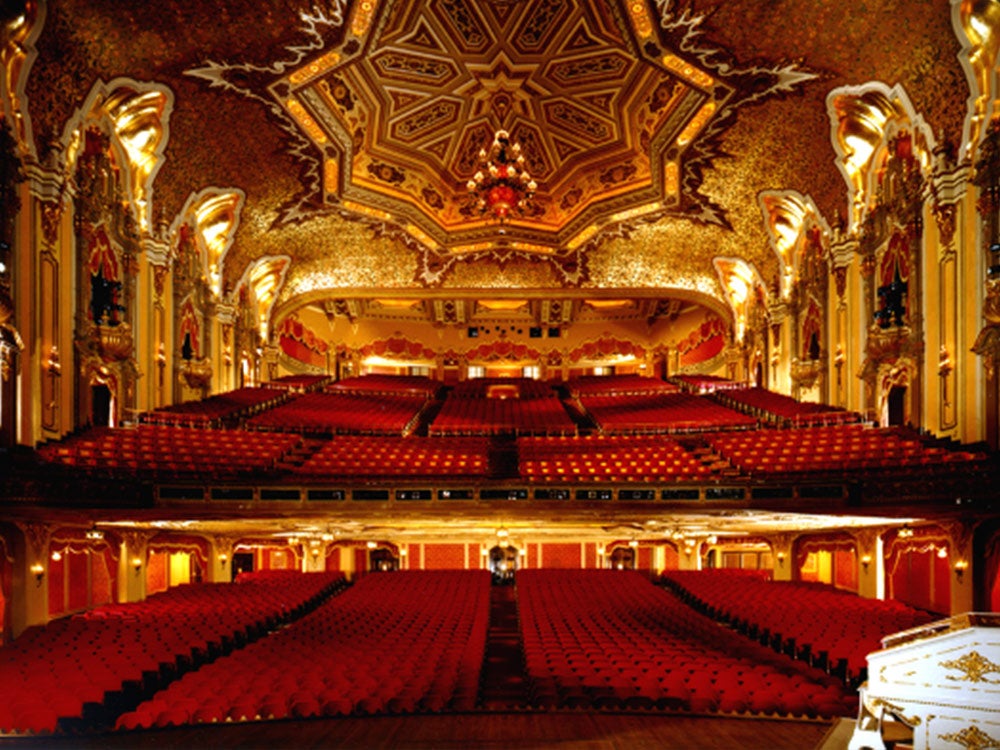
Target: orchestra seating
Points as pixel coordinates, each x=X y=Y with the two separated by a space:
x=378 y=385
x=616 y=385
x=524 y=388
x=604 y=638
x=778 y=408
x=619 y=458
x=816 y=621
x=163 y=453
x=298 y=383
x=88 y=667
x=392 y=643
x=369 y=456
x=502 y=406
x=340 y=413
x=662 y=413
x=215 y=411
x=705 y=383
x=835 y=448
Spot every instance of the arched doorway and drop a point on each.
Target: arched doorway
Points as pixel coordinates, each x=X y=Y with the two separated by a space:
x=382 y=560
x=100 y=405
x=896 y=406
x=622 y=558
x=503 y=564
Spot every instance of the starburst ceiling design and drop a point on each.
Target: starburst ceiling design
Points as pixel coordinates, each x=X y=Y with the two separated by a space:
x=616 y=121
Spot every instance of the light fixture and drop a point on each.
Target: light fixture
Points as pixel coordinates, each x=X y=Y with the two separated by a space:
x=945 y=368
x=960 y=567
x=502 y=185
x=38 y=570
x=866 y=561
x=223 y=559
x=781 y=558
x=94 y=534
x=137 y=564
x=502 y=533
x=56 y=556
x=905 y=532
x=633 y=543
x=372 y=545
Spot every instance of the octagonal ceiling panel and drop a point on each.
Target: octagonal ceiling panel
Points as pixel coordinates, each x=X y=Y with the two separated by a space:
x=403 y=105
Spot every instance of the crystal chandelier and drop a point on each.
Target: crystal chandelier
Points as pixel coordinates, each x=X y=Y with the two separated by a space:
x=501 y=186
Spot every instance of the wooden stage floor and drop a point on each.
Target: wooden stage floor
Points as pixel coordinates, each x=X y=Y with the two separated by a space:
x=563 y=730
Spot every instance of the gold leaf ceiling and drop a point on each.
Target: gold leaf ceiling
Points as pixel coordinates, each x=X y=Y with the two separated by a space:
x=350 y=128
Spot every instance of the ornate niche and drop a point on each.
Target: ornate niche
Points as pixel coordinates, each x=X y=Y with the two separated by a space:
x=890 y=248
x=107 y=266
x=808 y=305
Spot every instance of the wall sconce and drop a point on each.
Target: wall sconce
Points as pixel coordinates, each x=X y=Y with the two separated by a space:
x=945 y=368
x=781 y=558
x=865 y=562
x=905 y=533
x=137 y=564
x=94 y=534
x=371 y=545
x=223 y=559
x=838 y=362
x=633 y=543
x=53 y=364
x=960 y=568
x=600 y=550
x=38 y=570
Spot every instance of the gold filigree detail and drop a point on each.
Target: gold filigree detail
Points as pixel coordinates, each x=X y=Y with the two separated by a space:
x=975 y=666
x=972 y=738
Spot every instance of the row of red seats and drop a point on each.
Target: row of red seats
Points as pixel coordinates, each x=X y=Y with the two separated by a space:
x=611 y=639
x=833 y=448
x=163 y=452
x=298 y=383
x=356 y=455
x=214 y=410
x=662 y=413
x=805 y=618
x=705 y=383
x=620 y=458
x=340 y=413
x=50 y=672
x=617 y=385
x=777 y=407
x=393 y=643
x=387 y=385
x=524 y=388
x=502 y=416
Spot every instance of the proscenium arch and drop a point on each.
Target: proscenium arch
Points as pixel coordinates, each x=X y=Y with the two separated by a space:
x=289 y=307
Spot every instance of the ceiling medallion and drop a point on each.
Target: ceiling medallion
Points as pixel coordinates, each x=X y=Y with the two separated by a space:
x=501 y=185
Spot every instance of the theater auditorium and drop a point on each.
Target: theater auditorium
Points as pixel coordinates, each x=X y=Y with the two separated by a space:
x=481 y=373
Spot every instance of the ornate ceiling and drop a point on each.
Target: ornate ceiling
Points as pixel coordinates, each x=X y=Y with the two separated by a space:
x=349 y=130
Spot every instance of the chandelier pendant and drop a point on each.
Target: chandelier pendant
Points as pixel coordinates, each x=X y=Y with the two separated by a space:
x=502 y=186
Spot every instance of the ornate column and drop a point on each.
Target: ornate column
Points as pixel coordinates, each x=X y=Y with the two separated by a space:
x=132 y=565
x=782 y=545
x=11 y=343
x=30 y=592
x=987 y=345
x=871 y=562
x=962 y=563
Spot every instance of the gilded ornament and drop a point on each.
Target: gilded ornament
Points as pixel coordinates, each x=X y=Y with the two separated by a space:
x=974 y=667
x=971 y=738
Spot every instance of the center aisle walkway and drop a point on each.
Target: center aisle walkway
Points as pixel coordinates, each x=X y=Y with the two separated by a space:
x=503 y=686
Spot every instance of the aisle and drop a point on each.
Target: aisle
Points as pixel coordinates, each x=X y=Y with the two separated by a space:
x=503 y=685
